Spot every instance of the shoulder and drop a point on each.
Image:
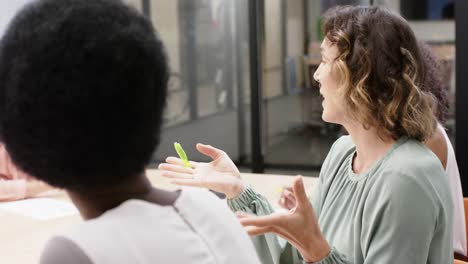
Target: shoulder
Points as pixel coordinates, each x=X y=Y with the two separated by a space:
x=416 y=161
x=63 y=250
x=413 y=174
x=340 y=149
x=344 y=143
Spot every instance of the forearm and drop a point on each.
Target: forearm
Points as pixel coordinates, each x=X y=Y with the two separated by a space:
x=269 y=246
x=317 y=250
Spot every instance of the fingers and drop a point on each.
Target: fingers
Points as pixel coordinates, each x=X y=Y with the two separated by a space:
x=290 y=204
x=288 y=195
x=255 y=231
x=240 y=215
x=282 y=202
x=299 y=192
x=179 y=162
x=210 y=151
x=286 y=203
x=287 y=199
x=281 y=231
x=175 y=168
x=261 y=221
x=176 y=175
x=251 y=229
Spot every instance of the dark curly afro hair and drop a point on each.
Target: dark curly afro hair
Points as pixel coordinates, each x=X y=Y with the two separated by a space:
x=432 y=82
x=82 y=90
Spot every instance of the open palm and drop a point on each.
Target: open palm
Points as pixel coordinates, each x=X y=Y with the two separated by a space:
x=221 y=174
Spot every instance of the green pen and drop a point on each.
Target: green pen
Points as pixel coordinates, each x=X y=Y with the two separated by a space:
x=180 y=151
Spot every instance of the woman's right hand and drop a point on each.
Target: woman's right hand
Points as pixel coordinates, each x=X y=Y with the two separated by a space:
x=219 y=175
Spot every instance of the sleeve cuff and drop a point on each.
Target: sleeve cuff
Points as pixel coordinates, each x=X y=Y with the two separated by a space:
x=243 y=200
x=334 y=257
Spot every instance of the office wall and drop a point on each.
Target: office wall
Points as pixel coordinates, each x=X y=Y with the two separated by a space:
x=313 y=9
x=435 y=31
x=273 y=64
x=295 y=36
x=430 y=30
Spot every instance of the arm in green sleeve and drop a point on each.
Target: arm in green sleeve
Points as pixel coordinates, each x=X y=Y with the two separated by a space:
x=271 y=249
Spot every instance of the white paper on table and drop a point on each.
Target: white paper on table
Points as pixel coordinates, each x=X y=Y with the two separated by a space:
x=40 y=208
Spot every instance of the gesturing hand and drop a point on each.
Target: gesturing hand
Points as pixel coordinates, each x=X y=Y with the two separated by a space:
x=299 y=226
x=220 y=175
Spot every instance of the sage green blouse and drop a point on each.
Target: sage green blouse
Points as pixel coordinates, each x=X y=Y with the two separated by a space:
x=400 y=211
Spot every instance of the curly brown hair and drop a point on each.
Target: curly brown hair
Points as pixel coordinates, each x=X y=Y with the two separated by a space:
x=381 y=71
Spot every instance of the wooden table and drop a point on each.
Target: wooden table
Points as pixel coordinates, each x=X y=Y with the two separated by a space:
x=22 y=238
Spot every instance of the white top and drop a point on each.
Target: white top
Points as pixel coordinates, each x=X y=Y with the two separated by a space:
x=198 y=228
x=459 y=228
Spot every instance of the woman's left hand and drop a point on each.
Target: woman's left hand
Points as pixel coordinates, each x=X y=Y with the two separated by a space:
x=299 y=226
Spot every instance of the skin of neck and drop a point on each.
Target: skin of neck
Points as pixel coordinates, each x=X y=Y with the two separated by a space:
x=93 y=203
x=369 y=146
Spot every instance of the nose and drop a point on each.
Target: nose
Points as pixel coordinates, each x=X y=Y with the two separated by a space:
x=317 y=75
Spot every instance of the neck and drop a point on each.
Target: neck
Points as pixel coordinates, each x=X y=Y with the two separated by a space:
x=369 y=146
x=93 y=203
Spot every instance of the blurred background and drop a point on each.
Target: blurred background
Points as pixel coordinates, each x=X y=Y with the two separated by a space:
x=241 y=76
x=211 y=87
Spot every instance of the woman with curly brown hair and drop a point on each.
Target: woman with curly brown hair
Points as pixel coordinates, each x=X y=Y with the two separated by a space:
x=382 y=195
